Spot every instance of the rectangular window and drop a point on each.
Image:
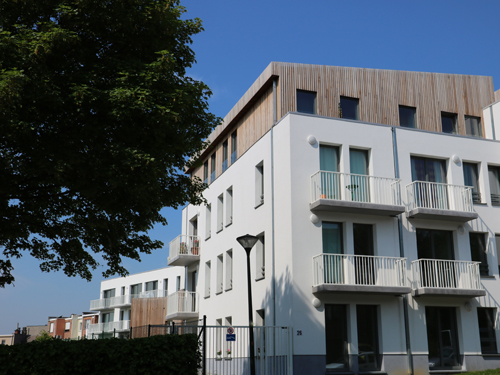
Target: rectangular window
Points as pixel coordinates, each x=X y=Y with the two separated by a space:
x=333 y=272
x=234 y=147
x=486 y=320
x=123 y=291
x=259 y=184
x=306 y=102
x=478 y=251
x=212 y=168
x=260 y=266
x=80 y=326
x=425 y=193
x=337 y=357
x=229 y=269
x=122 y=315
x=208 y=222
x=207 y=278
x=51 y=330
x=108 y=293
x=329 y=166
x=218 y=341
x=224 y=156
x=178 y=283
x=108 y=317
x=87 y=325
x=136 y=289
x=473 y=126
x=494 y=177
x=205 y=172
x=364 y=265
x=220 y=274
x=368 y=348
x=67 y=326
x=359 y=184
x=151 y=285
x=407 y=117
x=471 y=178
x=229 y=206
x=442 y=338
x=165 y=286
x=349 y=108
x=220 y=211
x=449 y=123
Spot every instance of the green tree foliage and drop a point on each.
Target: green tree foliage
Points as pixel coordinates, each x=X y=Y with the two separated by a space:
x=97 y=120
x=43 y=336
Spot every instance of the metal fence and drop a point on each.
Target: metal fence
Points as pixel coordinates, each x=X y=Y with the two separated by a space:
x=226 y=350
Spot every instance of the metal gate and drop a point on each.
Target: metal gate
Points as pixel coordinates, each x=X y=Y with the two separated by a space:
x=223 y=356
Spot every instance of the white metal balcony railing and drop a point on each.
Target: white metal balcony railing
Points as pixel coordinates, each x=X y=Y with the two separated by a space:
x=359 y=270
x=122 y=325
x=182 y=302
x=445 y=274
x=422 y=194
x=184 y=245
x=104 y=303
x=355 y=188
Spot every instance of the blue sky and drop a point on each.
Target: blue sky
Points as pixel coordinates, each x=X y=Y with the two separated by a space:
x=239 y=41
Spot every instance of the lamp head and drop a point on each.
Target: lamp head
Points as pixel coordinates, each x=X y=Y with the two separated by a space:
x=247 y=241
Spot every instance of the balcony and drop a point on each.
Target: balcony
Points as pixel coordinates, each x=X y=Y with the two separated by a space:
x=184 y=250
x=182 y=305
x=341 y=273
x=436 y=277
x=432 y=200
x=122 y=325
x=354 y=193
x=124 y=300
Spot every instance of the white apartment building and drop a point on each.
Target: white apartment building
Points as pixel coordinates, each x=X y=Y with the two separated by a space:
x=375 y=196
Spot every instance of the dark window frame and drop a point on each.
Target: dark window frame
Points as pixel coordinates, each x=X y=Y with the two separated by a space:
x=487 y=334
x=306 y=99
x=478 y=129
x=454 y=124
x=348 y=99
x=414 y=110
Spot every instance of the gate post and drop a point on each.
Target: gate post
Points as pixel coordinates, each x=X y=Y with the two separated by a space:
x=204 y=344
x=149 y=330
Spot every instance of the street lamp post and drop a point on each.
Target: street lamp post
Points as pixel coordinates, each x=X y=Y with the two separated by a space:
x=247 y=242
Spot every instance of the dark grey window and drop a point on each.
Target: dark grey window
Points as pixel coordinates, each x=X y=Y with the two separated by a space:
x=407 y=116
x=349 y=107
x=478 y=251
x=212 y=168
x=363 y=245
x=368 y=348
x=205 y=172
x=449 y=123
x=306 y=102
x=486 y=320
x=337 y=357
x=108 y=293
x=442 y=338
x=494 y=176
x=234 y=147
x=151 y=285
x=434 y=244
x=136 y=289
x=473 y=126
x=471 y=179
x=224 y=156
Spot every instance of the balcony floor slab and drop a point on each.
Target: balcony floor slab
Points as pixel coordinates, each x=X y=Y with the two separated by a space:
x=182 y=316
x=437 y=214
x=333 y=205
x=448 y=292
x=183 y=260
x=361 y=289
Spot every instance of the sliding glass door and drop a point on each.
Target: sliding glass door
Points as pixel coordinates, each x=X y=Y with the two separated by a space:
x=359 y=187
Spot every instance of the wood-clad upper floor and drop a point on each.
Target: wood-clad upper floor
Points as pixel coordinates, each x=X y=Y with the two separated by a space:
x=430 y=98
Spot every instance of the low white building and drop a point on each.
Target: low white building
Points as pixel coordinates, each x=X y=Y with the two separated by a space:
x=375 y=196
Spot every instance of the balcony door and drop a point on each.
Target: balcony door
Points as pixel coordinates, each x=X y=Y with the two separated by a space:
x=359 y=187
x=364 y=266
x=332 y=245
x=442 y=338
x=431 y=245
x=328 y=164
x=431 y=194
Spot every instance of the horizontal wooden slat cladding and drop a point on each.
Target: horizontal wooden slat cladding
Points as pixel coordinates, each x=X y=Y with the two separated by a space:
x=148 y=311
x=380 y=92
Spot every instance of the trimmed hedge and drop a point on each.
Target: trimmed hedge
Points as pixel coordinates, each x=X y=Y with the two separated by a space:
x=169 y=354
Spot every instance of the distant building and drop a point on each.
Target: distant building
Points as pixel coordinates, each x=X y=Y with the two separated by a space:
x=7 y=339
x=73 y=327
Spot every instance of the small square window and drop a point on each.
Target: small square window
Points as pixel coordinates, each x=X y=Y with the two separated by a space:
x=449 y=123
x=349 y=108
x=407 y=117
x=473 y=126
x=306 y=102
